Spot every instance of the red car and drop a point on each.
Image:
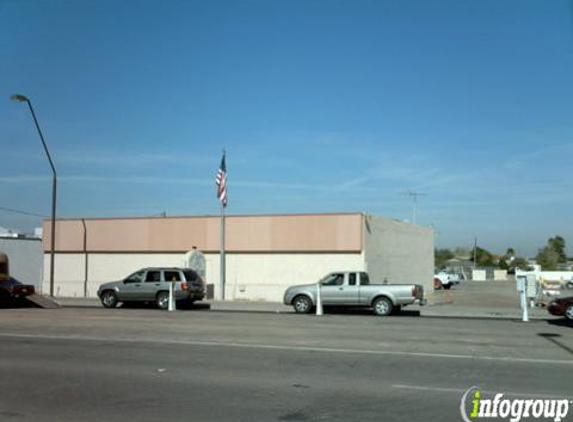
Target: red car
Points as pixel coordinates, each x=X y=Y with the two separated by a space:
x=12 y=291
x=562 y=307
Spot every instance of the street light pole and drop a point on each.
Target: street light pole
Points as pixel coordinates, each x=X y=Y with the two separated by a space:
x=23 y=98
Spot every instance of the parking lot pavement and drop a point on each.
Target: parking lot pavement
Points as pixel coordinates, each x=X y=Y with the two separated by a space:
x=89 y=364
x=494 y=300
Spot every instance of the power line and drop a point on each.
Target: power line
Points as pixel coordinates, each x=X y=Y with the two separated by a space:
x=22 y=212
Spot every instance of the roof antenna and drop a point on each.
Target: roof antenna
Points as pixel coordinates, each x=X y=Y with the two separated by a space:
x=414 y=195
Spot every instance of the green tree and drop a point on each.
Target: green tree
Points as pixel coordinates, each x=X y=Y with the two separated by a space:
x=506 y=260
x=484 y=258
x=548 y=258
x=553 y=254
x=557 y=244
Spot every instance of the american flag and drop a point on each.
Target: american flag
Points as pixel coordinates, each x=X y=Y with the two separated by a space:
x=221 y=182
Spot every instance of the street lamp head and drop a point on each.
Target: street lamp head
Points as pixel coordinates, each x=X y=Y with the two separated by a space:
x=19 y=97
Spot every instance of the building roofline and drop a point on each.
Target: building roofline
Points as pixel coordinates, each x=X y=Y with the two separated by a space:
x=327 y=214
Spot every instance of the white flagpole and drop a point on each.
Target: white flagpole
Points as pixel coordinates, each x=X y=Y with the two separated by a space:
x=223 y=203
x=222 y=252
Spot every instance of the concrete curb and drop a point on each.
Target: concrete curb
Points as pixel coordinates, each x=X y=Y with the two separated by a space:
x=435 y=310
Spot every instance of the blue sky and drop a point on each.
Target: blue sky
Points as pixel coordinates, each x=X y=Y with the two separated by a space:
x=322 y=106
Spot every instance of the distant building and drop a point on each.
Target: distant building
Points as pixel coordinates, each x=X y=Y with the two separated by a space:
x=26 y=258
x=4 y=232
x=264 y=253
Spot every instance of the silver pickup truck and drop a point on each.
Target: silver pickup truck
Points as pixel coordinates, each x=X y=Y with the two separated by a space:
x=354 y=289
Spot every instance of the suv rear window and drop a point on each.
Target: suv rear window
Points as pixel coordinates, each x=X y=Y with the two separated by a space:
x=172 y=276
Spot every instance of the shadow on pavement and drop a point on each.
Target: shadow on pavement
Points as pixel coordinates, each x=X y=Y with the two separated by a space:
x=332 y=310
x=561 y=322
x=17 y=303
x=194 y=307
x=179 y=306
x=552 y=337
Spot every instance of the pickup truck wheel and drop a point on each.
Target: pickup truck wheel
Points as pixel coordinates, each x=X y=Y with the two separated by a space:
x=109 y=299
x=162 y=300
x=302 y=305
x=447 y=286
x=382 y=306
x=437 y=283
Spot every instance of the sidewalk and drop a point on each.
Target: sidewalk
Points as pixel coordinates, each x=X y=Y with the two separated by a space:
x=438 y=310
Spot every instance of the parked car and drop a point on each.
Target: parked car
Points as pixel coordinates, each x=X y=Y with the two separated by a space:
x=445 y=280
x=12 y=292
x=152 y=285
x=562 y=307
x=354 y=289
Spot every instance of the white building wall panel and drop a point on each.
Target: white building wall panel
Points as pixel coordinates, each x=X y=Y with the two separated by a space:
x=398 y=252
x=256 y=276
x=266 y=276
x=25 y=259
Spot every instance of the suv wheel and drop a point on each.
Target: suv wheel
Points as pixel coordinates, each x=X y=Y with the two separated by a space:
x=109 y=299
x=162 y=300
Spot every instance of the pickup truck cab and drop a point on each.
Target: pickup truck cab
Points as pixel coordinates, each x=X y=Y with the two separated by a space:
x=348 y=288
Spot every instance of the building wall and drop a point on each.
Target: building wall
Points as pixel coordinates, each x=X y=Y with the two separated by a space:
x=265 y=254
x=263 y=233
x=398 y=253
x=26 y=260
x=249 y=276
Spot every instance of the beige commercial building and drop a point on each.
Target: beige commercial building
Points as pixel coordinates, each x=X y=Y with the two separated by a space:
x=264 y=253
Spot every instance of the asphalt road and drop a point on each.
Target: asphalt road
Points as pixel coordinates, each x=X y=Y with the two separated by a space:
x=147 y=365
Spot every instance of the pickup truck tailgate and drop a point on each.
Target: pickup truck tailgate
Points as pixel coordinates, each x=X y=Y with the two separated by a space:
x=418 y=294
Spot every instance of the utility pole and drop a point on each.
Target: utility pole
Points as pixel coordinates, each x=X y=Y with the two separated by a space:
x=23 y=99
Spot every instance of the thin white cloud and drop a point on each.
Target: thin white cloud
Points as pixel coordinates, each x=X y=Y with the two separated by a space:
x=24 y=179
x=163 y=181
x=355 y=182
x=131 y=159
x=533 y=157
